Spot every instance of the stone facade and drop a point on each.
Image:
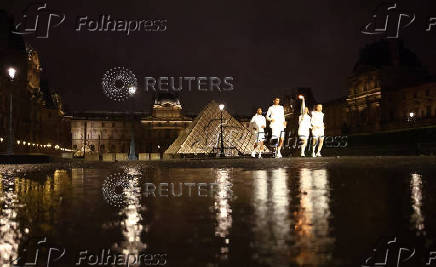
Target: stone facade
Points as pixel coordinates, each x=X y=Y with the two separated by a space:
x=363 y=102
x=411 y=107
x=387 y=90
x=383 y=79
x=38 y=118
x=111 y=132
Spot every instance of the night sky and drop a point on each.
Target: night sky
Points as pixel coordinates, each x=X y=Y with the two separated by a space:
x=269 y=47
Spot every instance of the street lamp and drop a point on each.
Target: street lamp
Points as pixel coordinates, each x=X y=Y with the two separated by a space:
x=132 y=90
x=221 y=106
x=11 y=73
x=132 y=154
x=411 y=116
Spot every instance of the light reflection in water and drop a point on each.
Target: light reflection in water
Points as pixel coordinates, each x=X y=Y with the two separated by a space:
x=417 y=218
x=312 y=225
x=29 y=197
x=77 y=177
x=132 y=226
x=223 y=209
x=279 y=207
x=272 y=221
x=260 y=209
x=9 y=227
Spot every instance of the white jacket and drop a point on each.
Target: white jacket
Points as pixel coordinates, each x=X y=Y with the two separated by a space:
x=258 y=121
x=277 y=113
x=317 y=119
x=304 y=124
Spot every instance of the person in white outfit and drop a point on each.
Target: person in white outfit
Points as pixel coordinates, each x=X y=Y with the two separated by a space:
x=304 y=124
x=276 y=117
x=259 y=123
x=317 y=130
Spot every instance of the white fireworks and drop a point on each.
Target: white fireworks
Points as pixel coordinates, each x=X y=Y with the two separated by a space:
x=116 y=188
x=118 y=83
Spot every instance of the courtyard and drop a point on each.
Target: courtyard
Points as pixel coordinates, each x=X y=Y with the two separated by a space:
x=332 y=211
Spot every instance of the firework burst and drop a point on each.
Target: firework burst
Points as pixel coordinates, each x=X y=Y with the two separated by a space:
x=118 y=82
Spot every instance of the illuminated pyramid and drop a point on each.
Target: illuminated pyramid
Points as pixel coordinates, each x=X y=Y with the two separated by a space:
x=202 y=137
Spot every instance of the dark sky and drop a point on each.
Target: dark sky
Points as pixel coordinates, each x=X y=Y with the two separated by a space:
x=267 y=46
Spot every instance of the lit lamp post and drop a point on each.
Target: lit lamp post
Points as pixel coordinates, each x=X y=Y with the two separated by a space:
x=11 y=73
x=132 y=154
x=411 y=116
x=132 y=90
x=222 y=154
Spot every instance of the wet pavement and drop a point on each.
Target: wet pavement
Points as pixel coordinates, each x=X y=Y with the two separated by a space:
x=231 y=212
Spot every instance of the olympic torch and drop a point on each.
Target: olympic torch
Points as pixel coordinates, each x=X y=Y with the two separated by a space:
x=303 y=104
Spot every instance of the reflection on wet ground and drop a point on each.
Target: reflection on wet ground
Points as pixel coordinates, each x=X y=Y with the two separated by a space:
x=304 y=213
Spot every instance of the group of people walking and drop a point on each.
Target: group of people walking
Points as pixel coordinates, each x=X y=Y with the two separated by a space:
x=276 y=117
